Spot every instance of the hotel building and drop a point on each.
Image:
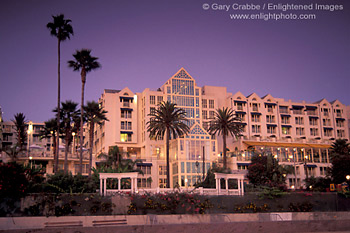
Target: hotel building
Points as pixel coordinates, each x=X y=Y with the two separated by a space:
x=296 y=133
x=39 y=150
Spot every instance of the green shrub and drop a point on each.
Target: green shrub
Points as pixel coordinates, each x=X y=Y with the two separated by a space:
x=67 y=183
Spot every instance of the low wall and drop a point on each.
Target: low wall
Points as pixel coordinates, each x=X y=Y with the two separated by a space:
x=13 y=223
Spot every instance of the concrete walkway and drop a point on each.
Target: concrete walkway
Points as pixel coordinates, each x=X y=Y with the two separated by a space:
x=261 y=222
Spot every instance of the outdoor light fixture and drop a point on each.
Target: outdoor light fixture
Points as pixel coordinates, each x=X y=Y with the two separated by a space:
x=348 y=177
x=292 y=186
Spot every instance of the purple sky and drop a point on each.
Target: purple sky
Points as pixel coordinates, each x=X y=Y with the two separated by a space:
x=142 y=43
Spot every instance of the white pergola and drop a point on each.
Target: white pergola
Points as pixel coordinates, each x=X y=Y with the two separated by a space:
x=119 y=176
x=238 y=176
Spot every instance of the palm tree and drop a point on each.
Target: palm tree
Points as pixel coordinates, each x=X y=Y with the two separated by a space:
x=49 y=131
x=225 y=122
x=20 y=124
x=85 y=63
x=69 y=113
x=94 y=115
x=169 y=120
x=114 y=157
x=62 y=30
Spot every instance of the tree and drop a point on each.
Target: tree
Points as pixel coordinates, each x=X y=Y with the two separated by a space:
x=264 y=170
x=225 y=122
x=113 y=158
x=50 y=131
x=84 y=63
x=94 y=115
x=62 y=30
x=168 y=120
x=20 y=125
x=340 y=159
x=69 y=113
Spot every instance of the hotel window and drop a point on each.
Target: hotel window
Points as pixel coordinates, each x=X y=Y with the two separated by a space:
x=152 y=110
x=340 y=133
x=285 y=120
x=256 y=128
x=270 y=119
x=300 y=131
x=298 y=111
x=284 y=109
x=162 y=183
x=125 y=125
x=168 y=90
x=271 y=129
x=313 y=121
x=340 y=123
x=152 y=99
x=124 y=137
x=323 y=170
x=326 y=122
x=285 y=130
x=325 y=112
x=145 y=169
x=205 y=114
x=211 y=103
x=213 y=146
x=338 y=111
x=255 y=107
x=241 y=116
x=125 y=114
x=299 y=120
x=159 y=99
x=197 y=92
x=239 y=106
x=204 y=103
x=311 y=112
x=270 y=108
x=327 y=132
x=256 y=118
x=211 y=114
x=143 y=183
x=314 y=132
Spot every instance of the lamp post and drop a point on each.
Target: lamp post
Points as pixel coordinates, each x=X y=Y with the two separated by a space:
x=29 y=132
x=73 y=147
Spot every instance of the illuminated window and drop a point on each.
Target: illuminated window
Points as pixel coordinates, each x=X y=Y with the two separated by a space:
x=124 y=137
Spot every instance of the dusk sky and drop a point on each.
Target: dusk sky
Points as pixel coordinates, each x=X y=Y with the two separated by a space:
x=140 y=44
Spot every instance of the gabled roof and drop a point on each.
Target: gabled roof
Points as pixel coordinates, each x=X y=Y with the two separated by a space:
x=196 y=129
x=334 y=102
x=267 y=97
x=180 y=74
x=253 y=95
x=322 y=101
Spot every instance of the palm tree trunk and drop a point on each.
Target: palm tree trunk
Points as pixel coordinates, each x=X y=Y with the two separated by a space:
x=56 y=157
x=91 y=145
x=224 y=150
x=167 y=158
x=83 y=79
